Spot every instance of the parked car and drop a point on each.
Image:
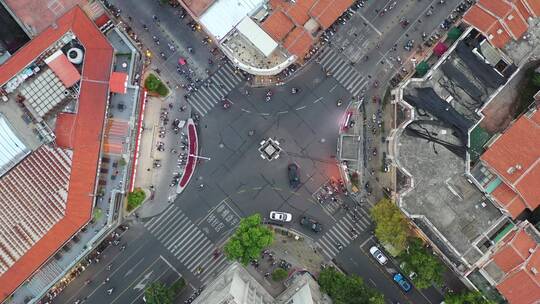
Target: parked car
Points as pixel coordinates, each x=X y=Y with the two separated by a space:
x=311 y=224
x=294 y=176
x=280 y=216
x=378 y=255
x=402 y=282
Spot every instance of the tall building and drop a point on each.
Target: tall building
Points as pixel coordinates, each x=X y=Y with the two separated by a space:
x=48 y=179
x=264 y=37
x=235 y=285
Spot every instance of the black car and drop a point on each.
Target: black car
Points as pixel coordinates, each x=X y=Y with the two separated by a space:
x=311 y=224
x=294 y=177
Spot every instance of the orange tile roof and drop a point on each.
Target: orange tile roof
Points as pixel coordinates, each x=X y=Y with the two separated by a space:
x=298 y=42
x=517 y=256
x=533 y=6
x=196 y=7
x=326 y=12
x=64 y=130
x=38 y=15
x=515 y=158
x=515 y=250
x=497 y=7
x=277 y=25
x=118 y=82
x=63 y=69
x=509 y=199
x=86 y=141
x=499 y=20
x=298 y=11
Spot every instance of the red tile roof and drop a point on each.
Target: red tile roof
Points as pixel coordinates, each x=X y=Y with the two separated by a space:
x=63 y=69
x=499 y=20
x=298 y=42
x=515 y=158
x=515 y=250
x=298 y=11
x=509 y=199
x=326 y=12
x=86 y=141
x=196 y=7
x=532 y=6
x=519 y=258
x=277 y=25
x=64 y=130
x=38 y=15
x=118 y=82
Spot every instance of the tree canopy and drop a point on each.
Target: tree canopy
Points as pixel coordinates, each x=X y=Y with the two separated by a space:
x=344 y=289
x=249 y=239
x=417 y=258
x=469 y=297
x=135 y=198
x=157 y=292
x=422 y=68
x=390 y=224
x=153 y=84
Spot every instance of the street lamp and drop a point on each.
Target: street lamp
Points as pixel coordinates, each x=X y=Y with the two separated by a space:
x=202 y=157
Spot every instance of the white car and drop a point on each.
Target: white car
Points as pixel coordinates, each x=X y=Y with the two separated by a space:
x=280 y=216
x=378 y=255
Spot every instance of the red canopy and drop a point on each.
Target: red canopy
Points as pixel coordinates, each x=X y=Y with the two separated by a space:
x=118 y=82
x=181 y=61
x=440 y=49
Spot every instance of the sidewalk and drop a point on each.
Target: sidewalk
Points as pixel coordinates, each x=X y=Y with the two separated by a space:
x=299 y=253
x=146 y=174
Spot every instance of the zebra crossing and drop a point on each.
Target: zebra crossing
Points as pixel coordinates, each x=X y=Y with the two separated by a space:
x=341 y=233
x=342 y=71
x=189 y=244
x=221 y=83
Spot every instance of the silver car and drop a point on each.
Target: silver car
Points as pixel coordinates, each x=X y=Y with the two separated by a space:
x=280 y=216
x=378 y=255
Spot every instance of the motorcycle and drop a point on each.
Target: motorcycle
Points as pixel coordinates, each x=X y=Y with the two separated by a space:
x=339 y=102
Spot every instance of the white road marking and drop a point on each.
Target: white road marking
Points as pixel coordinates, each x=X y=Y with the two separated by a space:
x=370 y=24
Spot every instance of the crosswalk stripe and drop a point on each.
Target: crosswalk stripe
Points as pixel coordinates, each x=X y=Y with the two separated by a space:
x=195 y=247
x=210 y=262
x=156 y=218
x=197 y=258
x=174 y=241
x=330 y=249
x=189 y=241
x=166 y=217
x=222 y=82
x=181 y=230
x=339 y=236
x=211 y=270
x=173 y=229
x=346 y=234
x=165 y=223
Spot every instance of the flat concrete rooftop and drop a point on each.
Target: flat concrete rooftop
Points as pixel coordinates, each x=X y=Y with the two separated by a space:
x=441 y=196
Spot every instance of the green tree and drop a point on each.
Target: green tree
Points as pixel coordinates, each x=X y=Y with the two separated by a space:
x=279 y=274
x=536 y=79
x=158 y=293
x=152 y=83
x=135 y=198
x=417 y=258
x=390 y=225
x=469 y=297
x=344 y=289
x=248 y=240
x=422 y=68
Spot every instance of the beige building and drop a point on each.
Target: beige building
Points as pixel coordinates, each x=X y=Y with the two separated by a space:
x=237 y=286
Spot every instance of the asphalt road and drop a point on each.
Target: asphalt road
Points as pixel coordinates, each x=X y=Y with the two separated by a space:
x=181 y=240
